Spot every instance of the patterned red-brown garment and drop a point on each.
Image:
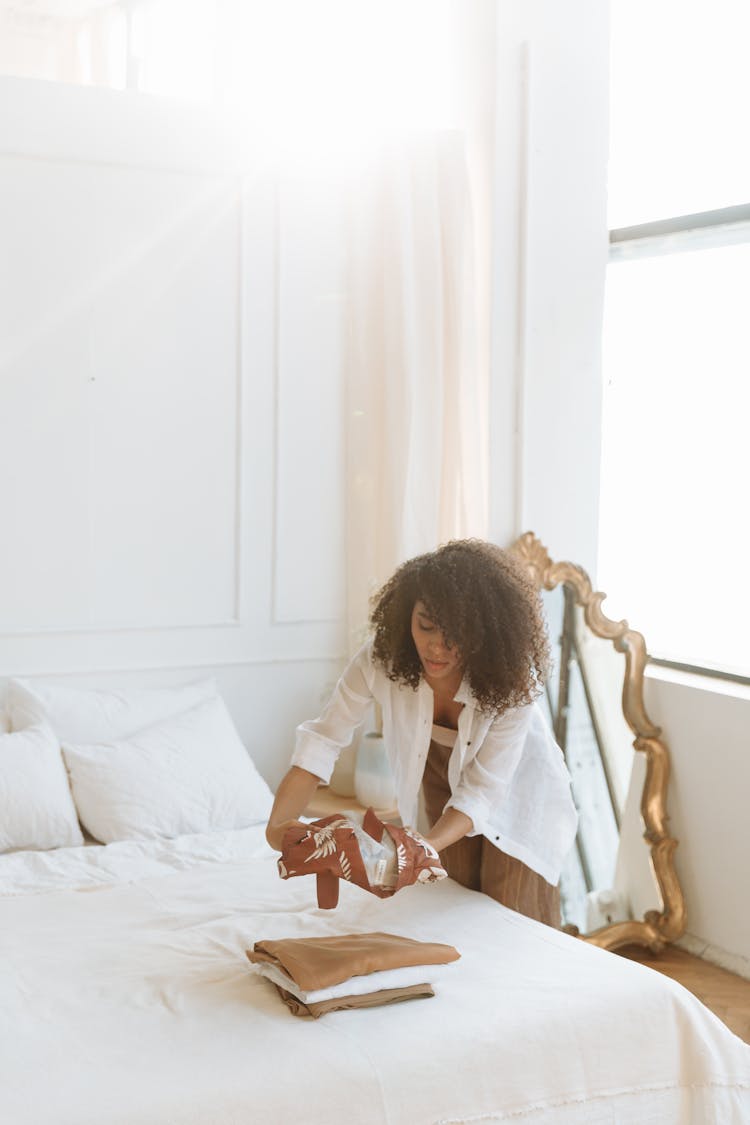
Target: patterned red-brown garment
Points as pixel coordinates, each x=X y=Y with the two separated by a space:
x=330 y=850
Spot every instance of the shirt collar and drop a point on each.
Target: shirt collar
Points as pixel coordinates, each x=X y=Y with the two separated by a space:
x=463 y=695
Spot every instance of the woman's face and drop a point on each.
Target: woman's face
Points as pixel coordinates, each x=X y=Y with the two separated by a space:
x=441 y=662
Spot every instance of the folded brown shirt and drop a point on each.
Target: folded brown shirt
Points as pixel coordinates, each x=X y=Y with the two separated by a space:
x=320 y=962
x=368 y=1000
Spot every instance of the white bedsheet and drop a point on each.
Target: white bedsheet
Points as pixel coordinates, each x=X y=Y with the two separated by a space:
x=126 y=999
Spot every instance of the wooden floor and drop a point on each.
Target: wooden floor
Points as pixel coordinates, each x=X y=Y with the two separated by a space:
x=727 y=995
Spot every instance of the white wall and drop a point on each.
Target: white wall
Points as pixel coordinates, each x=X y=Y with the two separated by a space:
x=172 y=399
x=707 y=725
x=550 y=247
x=171 y=457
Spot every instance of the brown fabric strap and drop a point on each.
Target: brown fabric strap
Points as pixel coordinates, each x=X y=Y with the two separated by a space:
x=368 y=1000
x=373 y=825
x=327 y=888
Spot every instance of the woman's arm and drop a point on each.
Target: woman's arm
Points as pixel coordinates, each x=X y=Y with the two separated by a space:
x=292 y=798
x=453 y=825
x=319 y=741
x=318 y=744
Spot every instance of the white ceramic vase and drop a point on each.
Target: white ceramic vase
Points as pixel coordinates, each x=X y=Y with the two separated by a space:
x=342 y=778
x=374 y=784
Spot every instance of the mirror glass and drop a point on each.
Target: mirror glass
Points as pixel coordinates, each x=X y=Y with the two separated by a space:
x=607 y=877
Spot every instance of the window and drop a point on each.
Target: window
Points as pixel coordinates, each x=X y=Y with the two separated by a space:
x=674 y=523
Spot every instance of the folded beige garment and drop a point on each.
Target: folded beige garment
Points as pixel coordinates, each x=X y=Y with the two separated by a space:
x=369 y=1000
x=319 y=962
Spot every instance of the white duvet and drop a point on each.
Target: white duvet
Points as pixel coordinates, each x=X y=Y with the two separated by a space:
x=126 y=999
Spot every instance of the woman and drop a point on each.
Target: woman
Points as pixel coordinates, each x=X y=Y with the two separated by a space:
x=457 y=658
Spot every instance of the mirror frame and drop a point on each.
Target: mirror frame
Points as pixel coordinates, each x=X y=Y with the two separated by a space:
x=657 y=928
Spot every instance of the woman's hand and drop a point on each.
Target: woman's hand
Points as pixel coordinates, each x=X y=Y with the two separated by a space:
x=451 y=827
x=275 y=833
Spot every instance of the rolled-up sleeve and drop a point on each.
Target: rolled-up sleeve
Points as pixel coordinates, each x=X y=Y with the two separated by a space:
x=485 y=779
x=320 y=741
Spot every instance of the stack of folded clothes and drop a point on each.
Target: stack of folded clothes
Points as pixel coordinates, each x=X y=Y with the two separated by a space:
x=325 y=974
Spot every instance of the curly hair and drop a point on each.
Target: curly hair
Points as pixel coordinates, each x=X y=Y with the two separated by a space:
x=484 y=604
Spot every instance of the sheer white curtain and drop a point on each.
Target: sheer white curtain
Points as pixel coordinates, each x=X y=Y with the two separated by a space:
x=416 y=391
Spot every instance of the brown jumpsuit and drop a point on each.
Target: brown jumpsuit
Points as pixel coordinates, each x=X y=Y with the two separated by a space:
x=474 y=861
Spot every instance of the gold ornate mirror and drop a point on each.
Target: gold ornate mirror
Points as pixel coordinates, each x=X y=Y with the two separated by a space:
x=619 y=885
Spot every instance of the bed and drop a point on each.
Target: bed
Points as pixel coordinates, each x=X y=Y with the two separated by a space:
x=126 y=997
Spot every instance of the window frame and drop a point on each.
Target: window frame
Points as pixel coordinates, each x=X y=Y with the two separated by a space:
x=677 y=234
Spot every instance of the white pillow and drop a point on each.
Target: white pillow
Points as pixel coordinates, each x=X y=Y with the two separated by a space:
x=89 y=715
x=188 y=774
x=4 y=722
x=37 y=809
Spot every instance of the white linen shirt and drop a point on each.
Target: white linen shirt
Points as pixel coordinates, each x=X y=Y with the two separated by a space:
x=506 y=772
